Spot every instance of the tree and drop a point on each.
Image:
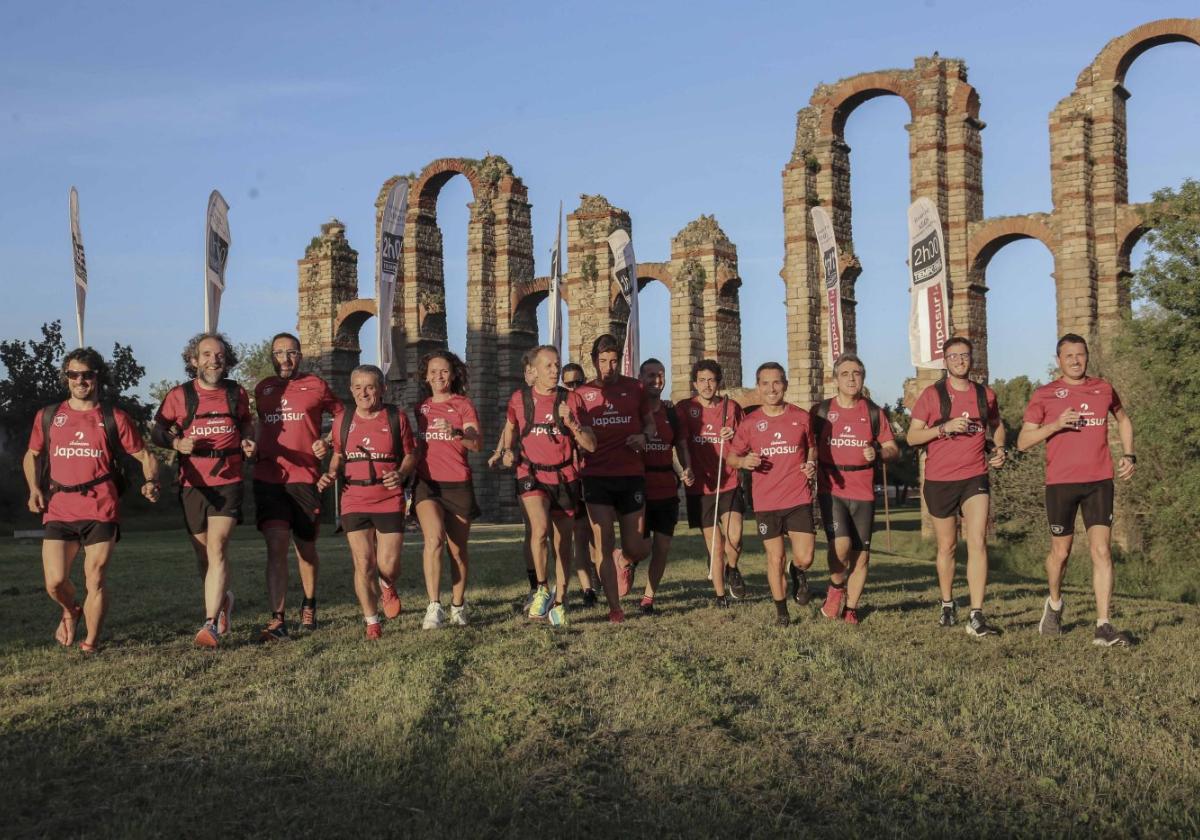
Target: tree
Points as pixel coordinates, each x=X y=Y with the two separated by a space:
x=1012 y=395
x=254 y=363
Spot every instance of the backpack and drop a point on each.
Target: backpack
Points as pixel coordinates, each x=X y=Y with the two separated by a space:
x=191 y=407
x=112 y=441
x=393 y=418
x=943 y=391
x=875 y=416
x=555 y=427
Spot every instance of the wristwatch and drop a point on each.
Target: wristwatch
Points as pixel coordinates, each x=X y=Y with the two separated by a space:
x=1132 y=458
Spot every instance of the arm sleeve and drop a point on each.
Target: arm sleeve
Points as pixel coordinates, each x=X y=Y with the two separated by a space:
x=740 y=444
x=993 y=407
x=406 y=435
x=336 y=432
x=470 y=416
x=885 y=426
x=1116 y=402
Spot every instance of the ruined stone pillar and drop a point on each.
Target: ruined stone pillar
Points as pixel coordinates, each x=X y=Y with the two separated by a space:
x=328 y=280
x=593 y=294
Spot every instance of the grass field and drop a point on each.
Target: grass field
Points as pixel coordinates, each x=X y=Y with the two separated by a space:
x=697 y=722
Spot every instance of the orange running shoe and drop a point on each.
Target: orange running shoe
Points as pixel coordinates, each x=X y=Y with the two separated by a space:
x=835 y=597
x=207 y=636
x=389 y=600
x=275 y=631
x=850 y=616
x=624 y=573
x=616 y=616
x=308 y=617
x=375 y=631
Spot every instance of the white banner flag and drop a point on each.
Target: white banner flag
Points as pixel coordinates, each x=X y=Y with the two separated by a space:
x=555 y=297
x=387 y=267
x=827 y=243
x=625 y=272
x=929 y=311
x=216 y=254
x=80 y=265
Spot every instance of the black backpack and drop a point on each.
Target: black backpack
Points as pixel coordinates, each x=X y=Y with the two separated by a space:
x=393 y=418
x=112 y=440
x=875 y=415
x=943 y=391
x=553 y=428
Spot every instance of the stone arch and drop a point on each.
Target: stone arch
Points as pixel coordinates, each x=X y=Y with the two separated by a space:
x=991 y=235
x=1118 y=55
x=845 y=96
x=349 y=320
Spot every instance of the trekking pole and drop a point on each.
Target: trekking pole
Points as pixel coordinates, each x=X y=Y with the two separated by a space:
x=712 y=543
x=887 y=513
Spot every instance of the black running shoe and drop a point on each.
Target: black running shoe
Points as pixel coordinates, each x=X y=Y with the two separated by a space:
x=1051 y=623
x=783 y=620
x=589 y=597
x=721 y=602
x=949 y=615
x=647 y=606
x=733 y=580
x=1109 y=636
x=978 y=627
x=800 y=593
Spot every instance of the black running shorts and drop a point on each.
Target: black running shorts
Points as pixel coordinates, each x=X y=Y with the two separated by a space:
x=661 y=517
x=296 y=505
x=199 y=503
x=701 y=510
x=624 y=493
x=945 y=498
x=777 y=523
x=83 y=531
x=391 y=522
x=455 y=497
x=1063 y=501
x=847 y=518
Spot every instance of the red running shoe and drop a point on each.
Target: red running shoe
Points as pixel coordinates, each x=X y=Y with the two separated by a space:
x=835 y=597
x=389 y=600
x=207 y=636
x=375 y=631
x=850 y=616
x=616 y=616
x=624 y=573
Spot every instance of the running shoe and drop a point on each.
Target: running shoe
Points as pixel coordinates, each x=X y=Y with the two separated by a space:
x=225 y=615
x=978 y=627
x=308 y=617
x=949 y=615
x=646 y=606
x=540 y=605
x=733 y=580
x=850 y=616
x=435 y=616
x=1051 y=623
x=1109 y=636
x=458 y=615
x=207 y=636
x=624 y=573
x=800 y=593
x=721 y=602
x=589 y=597
x=275 y=631
x=835 y=597
x=783 y=620
x=375 y=631
x=616 y=616
x=557 y=615
x=389 y=600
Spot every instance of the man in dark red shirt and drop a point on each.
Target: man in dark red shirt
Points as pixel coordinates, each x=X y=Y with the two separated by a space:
x=207 y=421
x=1071 y=416
x=958 y=422
x=709 y=422
x=852 y=435
x=287 y=506
x=70 y=468
x=777 y=444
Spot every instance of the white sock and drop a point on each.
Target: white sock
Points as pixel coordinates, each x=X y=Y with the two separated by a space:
x=1100 y=622
x=1055 y=606
x=372 y=619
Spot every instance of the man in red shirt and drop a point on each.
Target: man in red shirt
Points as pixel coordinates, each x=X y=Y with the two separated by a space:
x=1071 y=416
x=709 y=422
x=776 y=443
x=290 y=406
x=70 y=467
x=207 y=421
x=852 y=435
x=959 y=423
x=614 y=475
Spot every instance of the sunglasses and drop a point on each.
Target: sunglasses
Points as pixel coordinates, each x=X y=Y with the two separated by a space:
x=86 y=375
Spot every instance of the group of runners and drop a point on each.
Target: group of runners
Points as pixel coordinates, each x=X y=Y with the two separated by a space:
x=598 y=467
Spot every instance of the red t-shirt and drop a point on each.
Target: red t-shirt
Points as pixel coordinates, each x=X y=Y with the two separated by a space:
x=289 y=422
x=956 y=457
x=371 y=440
x=1076 y=456
x=784 y=443
x=614 y=412
x=79 y=452
x=703 y=424
x=659 y=460
x=443 y=456
x=540 y=445
x=840 y=440
x=215 y=432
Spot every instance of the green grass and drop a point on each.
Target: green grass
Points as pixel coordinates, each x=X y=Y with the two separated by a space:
x=697 y=722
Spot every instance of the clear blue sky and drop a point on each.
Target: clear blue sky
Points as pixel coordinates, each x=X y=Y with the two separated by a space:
x=298 y=112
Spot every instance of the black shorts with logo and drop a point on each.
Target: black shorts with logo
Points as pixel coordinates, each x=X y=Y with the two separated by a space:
x=851 y=518
x=390 y=522
x=297 y=504
x=199 y=503
x=777 y=523
x=565 y=497
x=661 y=517
x=701 y=510
x=456 y=497
x=945 y=498
x=1063 y=501
x=83 y=531
x=624 y=493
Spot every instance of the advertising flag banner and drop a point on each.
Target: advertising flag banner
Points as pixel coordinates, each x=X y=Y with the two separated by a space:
x=387 y=268
x=80 y=265
x=556 y=272
x=827 y=243
x=216 y=255
x=625 y=273
x=929 y=311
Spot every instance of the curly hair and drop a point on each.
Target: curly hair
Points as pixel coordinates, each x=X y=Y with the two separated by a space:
x=459 y=376
x=93 y=360
x=192 y=350
x=606 y=343
x=712 y=367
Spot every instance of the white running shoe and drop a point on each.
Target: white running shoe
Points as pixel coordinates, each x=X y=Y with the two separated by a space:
x=458 y=615
x=435 y=616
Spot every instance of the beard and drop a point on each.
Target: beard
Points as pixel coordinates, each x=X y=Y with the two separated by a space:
x=211 y=377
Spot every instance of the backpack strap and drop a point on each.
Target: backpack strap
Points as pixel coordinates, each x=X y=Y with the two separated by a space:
x=43 y=459
x=873 y=414
x=672 y=418
x=553 y=428
x=393 y=418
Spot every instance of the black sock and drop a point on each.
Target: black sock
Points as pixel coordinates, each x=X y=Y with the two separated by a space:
x=278 y=615
x=310 y=603
x=457 y=606
x=837 y=585
x=781 y=607
x=541 y=583
x=533 y=581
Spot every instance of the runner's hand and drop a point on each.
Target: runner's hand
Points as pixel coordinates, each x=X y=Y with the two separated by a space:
x=1069 y=419
x=320 y=448
x=809 y=469
x=751 y=461
x=324 y=481
x=392 y=480
x=441 y=425
x=999 y=456
x=636 y=442
x=150 y=491
x=869 y=454
x=248 y=448
x=956 y=425
x=726 y=433
x=183 y=445
x=688 y=477
x=37 y=501
x=508 y=459
x=494 y=459
x=1125 y=468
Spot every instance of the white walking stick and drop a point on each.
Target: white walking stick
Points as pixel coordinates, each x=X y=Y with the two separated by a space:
x=712 y=543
